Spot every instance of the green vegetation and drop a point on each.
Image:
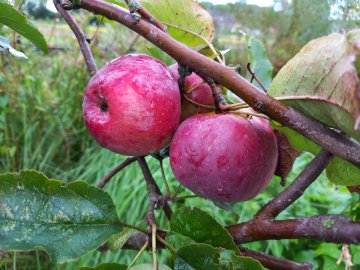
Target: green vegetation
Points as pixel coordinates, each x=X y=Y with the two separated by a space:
x=41 y=125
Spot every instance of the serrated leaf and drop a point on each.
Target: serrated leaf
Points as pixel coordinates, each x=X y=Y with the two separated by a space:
x=186 y=20
x=148 y=266
x=338 y=171
x=106 y=266
x=66 y=221
x=117 y=241
x=260 y=63
x=10 y=17
x=321 y=81
x=201 y=227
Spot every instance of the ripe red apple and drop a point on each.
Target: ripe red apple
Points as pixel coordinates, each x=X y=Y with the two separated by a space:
x=132 y=105
x=195 y=89
x=224 y=157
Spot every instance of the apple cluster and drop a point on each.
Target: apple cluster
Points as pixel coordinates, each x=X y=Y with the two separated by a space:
x=132 y=106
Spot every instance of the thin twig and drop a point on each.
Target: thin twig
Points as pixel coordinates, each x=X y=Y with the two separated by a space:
x=152 y=184
x=134 y=6
x=82 y=39
x=253 y=76
x=197 y=103
x=114 y=171
x=297 y=187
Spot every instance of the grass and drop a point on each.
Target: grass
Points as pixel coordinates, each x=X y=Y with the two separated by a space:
x=41 y=128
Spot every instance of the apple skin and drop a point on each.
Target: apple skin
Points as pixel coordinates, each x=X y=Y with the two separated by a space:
x=197 y=90
x=132 y=105
x=224 y=157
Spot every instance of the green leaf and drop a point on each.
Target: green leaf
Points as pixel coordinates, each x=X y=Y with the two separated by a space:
x=66 y=221
x=117 y=241
x=186 y=20
x=343 y=173
x=322 y=82
x=10 y=17
x=201 y=227
x=260 y=63
x=338 y=171
x=106 y=266
x=199 y=257
x=178 y=240
x=229 y=259
x=206 y=257
x=148 y=266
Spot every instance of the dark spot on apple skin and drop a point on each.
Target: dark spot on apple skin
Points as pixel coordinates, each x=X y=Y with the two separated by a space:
x=104 y=107
x=221 y=161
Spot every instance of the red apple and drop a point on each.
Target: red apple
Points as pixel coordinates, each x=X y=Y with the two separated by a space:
x=195 y=89
x=224 y=157
x=132 y=105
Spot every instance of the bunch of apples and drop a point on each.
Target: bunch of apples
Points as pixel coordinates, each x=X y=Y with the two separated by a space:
x=132 y=106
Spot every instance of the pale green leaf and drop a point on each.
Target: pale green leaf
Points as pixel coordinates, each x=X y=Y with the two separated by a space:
x=260 y=63
x=186 y=20
x=322 y=82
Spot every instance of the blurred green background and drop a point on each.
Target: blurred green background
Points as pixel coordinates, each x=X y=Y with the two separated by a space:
x=41 y=125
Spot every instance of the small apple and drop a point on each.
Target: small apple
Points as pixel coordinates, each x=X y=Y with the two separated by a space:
x=224 y=157
x=132 y=105
x=197 y=90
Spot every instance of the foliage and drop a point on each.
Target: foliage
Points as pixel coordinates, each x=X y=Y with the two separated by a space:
x=41 y=127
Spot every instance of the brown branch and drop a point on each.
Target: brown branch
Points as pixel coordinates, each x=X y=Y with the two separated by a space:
x=152 y=184
x=325 y=228
x=297 y=187
x=114 y=171
x=82 y=39
x=272 y=262
x=134 y=6
x=330 y=140
x=137 y=240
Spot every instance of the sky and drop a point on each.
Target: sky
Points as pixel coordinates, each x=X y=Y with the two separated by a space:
x=262 y=3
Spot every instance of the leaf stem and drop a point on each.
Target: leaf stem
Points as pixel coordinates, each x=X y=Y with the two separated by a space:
x=166 y=244
x=134 y=227
x=138 y=255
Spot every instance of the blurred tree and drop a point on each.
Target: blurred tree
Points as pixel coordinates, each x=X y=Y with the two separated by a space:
x=38 y=9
